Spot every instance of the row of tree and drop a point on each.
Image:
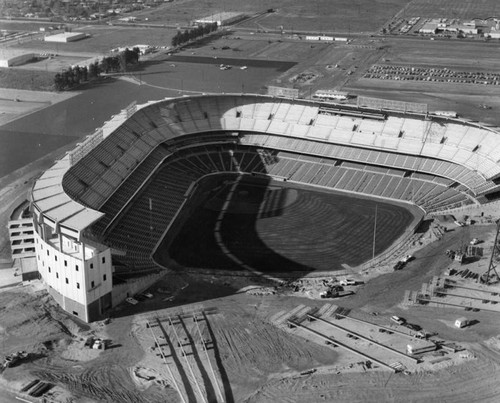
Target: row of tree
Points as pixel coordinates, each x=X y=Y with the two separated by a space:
x=188 y=35
x=75 y=75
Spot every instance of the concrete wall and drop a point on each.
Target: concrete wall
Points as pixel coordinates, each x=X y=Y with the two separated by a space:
x=122 y=291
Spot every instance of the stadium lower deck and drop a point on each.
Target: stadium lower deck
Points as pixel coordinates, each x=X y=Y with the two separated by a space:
x=234 y=221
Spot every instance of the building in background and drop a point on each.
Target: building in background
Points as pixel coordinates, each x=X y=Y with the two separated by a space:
x=224 y=18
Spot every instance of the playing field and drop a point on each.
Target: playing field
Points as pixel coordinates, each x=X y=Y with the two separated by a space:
x=278 y=227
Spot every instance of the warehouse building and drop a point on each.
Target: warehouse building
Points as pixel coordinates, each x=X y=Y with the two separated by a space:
x=65 y=37
x=225 y=18
x=10 y=60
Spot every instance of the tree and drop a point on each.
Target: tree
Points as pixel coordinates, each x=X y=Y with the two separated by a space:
x=93 y=70
x=176 y=40
x=137 y=52
x=77 y=75
x=104 y=65
x=85 y=74
x=58 y=82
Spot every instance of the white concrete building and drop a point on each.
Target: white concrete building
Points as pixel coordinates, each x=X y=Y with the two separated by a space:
x=65 y=37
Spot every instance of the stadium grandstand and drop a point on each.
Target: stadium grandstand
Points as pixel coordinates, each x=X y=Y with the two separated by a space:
x=100 y=211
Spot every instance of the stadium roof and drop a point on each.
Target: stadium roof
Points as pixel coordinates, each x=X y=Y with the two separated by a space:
x=49 y=196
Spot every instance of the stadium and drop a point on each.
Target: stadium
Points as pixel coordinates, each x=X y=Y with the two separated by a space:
x=249 y=183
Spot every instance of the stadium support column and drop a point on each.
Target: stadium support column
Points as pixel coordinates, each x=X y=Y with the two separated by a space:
x=82 y=244
x=59 y=237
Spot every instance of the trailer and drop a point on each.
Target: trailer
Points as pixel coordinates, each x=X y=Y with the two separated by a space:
x=462 y=322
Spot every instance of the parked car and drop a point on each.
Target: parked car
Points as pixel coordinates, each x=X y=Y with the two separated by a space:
x=132 y=301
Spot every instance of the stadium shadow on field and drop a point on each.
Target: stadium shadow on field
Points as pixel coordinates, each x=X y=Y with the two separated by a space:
x=233 y=222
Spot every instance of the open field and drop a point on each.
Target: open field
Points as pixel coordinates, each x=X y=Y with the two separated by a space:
x=465 y=9
x=26 y=80
x=103 y=38
x=276 y=227
x=327 y=17
x=322 y=15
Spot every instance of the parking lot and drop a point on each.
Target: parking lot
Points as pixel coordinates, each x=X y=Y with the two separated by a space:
x=443 y=75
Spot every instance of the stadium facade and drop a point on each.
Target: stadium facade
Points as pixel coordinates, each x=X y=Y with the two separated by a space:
x=101 y=210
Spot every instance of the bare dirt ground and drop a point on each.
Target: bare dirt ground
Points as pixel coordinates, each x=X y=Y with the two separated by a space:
x=260 y=361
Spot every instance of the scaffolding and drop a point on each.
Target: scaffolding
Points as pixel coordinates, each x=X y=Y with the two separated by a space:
x=488 y=277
